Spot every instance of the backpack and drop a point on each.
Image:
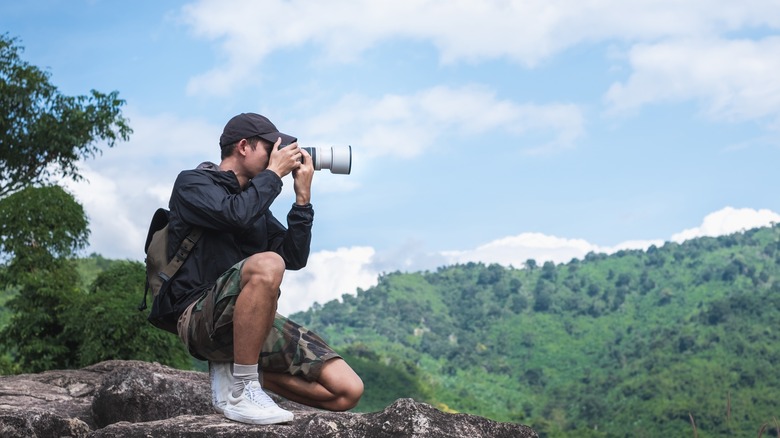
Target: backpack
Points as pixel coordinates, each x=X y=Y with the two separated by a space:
x=160 y=270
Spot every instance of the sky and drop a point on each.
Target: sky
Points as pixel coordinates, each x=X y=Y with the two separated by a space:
x=491 y=131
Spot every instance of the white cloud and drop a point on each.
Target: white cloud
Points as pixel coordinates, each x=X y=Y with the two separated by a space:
x=126 y=184
x=332 y=274
x=525 y=31
x=134 y=179
x=676 y=50
x=111 y=228
x=727 y=221
x=515 y=250
x=407 y=125
x=163 y=140
x=327 y=276
x=129 y=182
x=735 y=80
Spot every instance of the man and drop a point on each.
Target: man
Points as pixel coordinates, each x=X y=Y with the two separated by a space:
x=225 y=294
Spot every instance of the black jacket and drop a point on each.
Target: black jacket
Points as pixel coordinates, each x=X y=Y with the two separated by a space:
x=236 y=224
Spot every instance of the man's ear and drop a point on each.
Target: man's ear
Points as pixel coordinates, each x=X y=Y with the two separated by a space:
x=242 y=146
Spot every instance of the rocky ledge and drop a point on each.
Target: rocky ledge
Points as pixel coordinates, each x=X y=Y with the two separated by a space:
x=140 y=399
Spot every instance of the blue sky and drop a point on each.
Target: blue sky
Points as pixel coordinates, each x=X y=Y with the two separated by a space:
x=493 y=131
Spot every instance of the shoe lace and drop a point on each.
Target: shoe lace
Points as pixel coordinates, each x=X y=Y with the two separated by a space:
x=254 y=393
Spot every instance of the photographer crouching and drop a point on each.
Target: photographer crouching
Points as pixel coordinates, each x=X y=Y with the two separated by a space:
x=224 y=296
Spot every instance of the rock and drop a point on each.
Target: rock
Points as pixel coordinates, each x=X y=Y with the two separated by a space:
x=140 y=399
x=150 y=392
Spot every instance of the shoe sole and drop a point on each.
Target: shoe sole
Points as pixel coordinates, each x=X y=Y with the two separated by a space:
x=215 y=377
x=282 y=417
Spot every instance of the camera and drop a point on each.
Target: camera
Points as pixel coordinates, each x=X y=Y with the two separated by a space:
x=337 y=159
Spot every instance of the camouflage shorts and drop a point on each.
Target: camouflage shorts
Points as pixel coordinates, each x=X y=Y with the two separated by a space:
x=289 y=347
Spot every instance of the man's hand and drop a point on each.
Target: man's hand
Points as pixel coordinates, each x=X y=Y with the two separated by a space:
x=285 y=160
x=302 y=177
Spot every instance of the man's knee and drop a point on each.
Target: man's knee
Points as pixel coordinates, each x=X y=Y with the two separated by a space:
x=352 y=391
x=266 y=268
x=347 y=385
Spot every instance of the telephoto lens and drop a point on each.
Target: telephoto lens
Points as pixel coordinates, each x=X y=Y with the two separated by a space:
x=337 y=159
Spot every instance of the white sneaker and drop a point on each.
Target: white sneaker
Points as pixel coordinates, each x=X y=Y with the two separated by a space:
x=254 y=406
x=221 y=379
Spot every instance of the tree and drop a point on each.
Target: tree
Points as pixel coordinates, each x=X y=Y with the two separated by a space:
x=543 y=295
x=44 y=133
x=105 y=323
x=548 y=271
x=55 y=325
x=40 y=222
x=40 y=238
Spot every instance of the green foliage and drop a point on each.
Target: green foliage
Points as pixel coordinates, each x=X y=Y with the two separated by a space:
x=55 y=324
x=90 y=267
x=5 y=295
x=105 y=323
x=34 y=336
x=39 y=223
x=631 y=344
x=44 y=282
x=386 y=383
x=44 y=133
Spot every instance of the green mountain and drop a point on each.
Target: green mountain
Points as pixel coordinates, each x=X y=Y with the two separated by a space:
x=680 y=340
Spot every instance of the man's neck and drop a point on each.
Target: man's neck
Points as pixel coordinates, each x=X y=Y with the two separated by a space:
x=229 y=165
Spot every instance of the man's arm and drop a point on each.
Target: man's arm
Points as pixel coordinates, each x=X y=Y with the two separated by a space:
x=293 y=243
x=302 y=178
x=198 y=201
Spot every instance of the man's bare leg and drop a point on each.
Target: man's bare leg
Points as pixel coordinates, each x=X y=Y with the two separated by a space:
x=255 y=308
x=253 y=316
x=338 y=388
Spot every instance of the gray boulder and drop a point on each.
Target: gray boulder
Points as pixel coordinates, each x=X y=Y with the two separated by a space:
x=140 y=399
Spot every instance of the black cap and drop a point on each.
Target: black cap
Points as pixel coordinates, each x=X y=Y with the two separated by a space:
x=247 y=125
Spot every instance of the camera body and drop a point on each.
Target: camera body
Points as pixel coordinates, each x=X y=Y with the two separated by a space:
x=337 y=159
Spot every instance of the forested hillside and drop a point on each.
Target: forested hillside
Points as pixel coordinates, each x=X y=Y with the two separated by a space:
x=633 y=344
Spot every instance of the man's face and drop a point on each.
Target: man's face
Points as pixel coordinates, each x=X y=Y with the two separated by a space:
x=257 y=157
